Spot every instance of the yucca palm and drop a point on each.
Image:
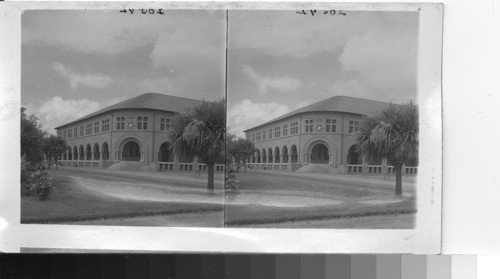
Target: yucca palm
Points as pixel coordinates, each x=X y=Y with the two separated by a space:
x=201 y=131
x=53 y=146
x=392 y=134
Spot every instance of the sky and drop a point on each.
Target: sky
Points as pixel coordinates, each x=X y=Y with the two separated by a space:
x=76 y=62
x=279 y=61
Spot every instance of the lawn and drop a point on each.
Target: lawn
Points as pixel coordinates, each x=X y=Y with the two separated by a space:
x=247 y=215
x=70 y=203
x=351 y=195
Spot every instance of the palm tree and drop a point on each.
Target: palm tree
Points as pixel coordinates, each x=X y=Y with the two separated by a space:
x=392 y=134
x=241 y=149
x=53 y=146
x=201 y=131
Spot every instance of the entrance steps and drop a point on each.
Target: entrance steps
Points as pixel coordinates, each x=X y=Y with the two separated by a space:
x=318 y=168
x=130 y=166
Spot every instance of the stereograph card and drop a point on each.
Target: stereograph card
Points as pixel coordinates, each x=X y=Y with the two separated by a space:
x=218 y=127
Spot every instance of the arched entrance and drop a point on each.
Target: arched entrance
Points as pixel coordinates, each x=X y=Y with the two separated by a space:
x=319 y=154
x=105 y=151
x=97 y=153
x=353 y=156
x=131 y=151
x=165 y=154
x=295 y=156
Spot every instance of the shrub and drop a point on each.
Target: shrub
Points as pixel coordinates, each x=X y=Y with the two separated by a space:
x=35 y=181
x=231 y=187
x=41 y=185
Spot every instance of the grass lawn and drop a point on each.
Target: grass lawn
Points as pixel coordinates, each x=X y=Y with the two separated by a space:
x=239 y=215
x=351 y=195
x=70 y=203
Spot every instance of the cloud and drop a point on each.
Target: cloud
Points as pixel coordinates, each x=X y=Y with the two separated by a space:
x=284 y=84
x=383 y=61
x=247 y=114
x=57 y=111
x=163 y=84
x=94 y=80
x=108 y=32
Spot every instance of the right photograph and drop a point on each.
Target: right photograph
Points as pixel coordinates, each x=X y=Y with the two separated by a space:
x=323 y=119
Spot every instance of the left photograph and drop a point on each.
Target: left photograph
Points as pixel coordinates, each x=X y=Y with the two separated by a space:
x=123 y=117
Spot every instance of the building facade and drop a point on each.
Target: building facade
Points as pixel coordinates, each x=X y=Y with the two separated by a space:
x=322 y=133
x=135 y=130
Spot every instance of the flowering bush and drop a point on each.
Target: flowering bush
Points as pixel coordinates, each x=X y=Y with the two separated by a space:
x=35 y=181
x=232 y=185
x=41 y=184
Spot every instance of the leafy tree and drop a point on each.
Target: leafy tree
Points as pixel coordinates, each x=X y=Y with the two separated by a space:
x=393 y=134
x=53 y=146
x=31 y=138
x=201 y=131
x=241 y=149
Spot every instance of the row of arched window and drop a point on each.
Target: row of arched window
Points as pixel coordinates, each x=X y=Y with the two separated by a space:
x=87 y=153
x=276 y=155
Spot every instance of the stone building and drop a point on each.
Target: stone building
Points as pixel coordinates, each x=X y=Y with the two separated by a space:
x=135 y=130
x=323 y=134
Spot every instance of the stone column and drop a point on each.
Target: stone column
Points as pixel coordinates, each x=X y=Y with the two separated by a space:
x=101 y=160
x=176 y=163
x=196 y=165
x=289 y=163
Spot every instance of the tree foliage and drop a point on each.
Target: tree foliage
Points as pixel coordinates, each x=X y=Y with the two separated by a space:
x=31 y=138
x=53 y=146
x=201 y=131
x=241 y=149
x=393 y=134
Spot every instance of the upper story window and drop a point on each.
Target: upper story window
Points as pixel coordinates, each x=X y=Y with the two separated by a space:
x=331 y=125
x=105 y=125
x=96 y=127
x=69 y=133
x=120 y=123
x=142 y=122
x=270 y=133
x=258 y=136
x=294 y=128
x=88 y=129
x=75 y=132
x=285 y=130
x=309 y=126
x=277 y=131
x=164 y=124
x=353 y=127
x=253 y=138
x=81 y=131
x=264 y=135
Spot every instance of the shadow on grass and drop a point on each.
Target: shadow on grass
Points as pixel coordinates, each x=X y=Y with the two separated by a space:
x=248 y=215
x=71 y=203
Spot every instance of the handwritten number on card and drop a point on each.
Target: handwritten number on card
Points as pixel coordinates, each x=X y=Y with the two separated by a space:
x=325 y=12
x=143 y=11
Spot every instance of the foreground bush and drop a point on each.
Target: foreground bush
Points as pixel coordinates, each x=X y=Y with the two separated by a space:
x=232 y=185
x=35 y=181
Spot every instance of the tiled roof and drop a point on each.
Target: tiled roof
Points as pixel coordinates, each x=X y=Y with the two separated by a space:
x=335 y=104
x=153 y=101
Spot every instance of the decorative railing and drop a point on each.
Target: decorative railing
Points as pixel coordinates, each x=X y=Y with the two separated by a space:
x=269 y=166
x=186 y=166
x=374 y=169
x=405 y=170
x=166 y=166
x=354 y=168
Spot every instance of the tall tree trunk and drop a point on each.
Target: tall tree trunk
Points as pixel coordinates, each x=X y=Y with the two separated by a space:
x=399 y=184
x=210 y=182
